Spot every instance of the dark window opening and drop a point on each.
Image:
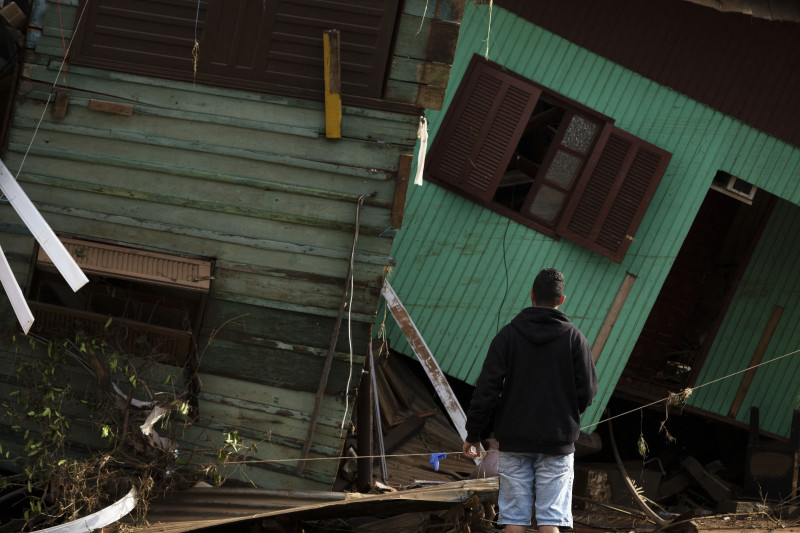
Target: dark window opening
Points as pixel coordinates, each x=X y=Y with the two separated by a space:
x=141 y=303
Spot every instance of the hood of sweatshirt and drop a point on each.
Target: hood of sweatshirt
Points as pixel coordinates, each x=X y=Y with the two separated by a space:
x=541 y=325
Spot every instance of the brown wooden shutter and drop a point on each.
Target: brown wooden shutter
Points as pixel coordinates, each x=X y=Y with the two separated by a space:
x=613 y=193
x=482 y=129
x=141 y=36
x=244 y=44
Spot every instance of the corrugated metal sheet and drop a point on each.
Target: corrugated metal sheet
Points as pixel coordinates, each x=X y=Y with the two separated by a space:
x=740 y=65
x=463 y=271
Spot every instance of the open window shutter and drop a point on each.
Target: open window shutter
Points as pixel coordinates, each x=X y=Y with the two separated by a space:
x=613 y=193
x=479 y=136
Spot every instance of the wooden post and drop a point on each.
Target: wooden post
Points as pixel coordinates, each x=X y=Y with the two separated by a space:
x=333 y=85
x=758 y=355
x=401 y=190
x=326 y=369
x=364 y=429
x=611 y=318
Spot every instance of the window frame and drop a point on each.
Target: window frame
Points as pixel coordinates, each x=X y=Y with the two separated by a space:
x=172 y=274
x=619 y=185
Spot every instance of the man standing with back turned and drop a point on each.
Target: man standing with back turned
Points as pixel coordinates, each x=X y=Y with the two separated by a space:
x=537 y=379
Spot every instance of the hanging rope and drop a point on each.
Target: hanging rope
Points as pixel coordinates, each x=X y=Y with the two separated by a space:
x=196 y=47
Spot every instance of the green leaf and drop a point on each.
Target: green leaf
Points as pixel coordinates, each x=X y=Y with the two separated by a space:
x=108 y=323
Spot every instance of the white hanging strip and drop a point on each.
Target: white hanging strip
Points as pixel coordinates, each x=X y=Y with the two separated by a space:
x=422 y=133
x=15 y=295
x=36 y=224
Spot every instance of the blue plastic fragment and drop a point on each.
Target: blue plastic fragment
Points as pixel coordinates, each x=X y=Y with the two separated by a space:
x=435 y=458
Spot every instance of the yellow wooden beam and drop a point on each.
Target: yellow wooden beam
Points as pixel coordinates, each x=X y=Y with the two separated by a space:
x=333 y=85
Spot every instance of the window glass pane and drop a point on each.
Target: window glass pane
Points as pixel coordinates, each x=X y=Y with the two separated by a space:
x=563 y=169
x=579 y=134
x=547 y=203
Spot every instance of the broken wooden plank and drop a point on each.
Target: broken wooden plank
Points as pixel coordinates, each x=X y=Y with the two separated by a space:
x=612 y=315
x=115 y=108
x=403 y=431
x=60 y=105
x=713 y=485
x=429 y=364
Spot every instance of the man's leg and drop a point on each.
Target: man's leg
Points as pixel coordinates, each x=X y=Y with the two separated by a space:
x=548 y=529
x=515 y=499
x=554 y=477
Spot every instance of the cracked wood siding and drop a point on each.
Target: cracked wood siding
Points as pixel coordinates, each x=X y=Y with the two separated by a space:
x=248 y=180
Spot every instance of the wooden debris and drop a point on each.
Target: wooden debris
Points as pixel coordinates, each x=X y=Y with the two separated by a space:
x=713 y=485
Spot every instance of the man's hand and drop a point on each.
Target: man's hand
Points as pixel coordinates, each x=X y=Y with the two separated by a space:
x=470 y=450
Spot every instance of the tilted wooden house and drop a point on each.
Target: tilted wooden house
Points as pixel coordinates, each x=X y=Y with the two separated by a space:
x=186 y=157
x=651 y=152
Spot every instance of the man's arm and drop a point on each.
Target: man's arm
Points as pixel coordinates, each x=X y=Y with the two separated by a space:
x=487 y=389
x=585 y=375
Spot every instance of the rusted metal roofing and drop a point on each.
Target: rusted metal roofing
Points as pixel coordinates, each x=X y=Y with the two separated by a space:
x=736 y=63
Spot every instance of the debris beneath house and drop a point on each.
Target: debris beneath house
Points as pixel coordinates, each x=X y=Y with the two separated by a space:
x=455 y=506
x=684 y=490
x=414 y=427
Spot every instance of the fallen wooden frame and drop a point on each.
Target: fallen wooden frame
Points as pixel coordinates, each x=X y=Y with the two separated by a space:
x=429 y=364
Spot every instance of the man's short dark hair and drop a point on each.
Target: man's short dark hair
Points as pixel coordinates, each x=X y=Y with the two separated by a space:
x=548 y=287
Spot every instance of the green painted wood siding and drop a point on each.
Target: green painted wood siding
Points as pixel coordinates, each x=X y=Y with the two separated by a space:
x=463 y=270
x=770 y=280
x=248 y=180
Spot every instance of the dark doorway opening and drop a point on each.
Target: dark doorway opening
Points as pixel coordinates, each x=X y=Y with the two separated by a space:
x=685 y=318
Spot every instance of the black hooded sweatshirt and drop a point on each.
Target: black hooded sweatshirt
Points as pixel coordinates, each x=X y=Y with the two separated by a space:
x=537 y=379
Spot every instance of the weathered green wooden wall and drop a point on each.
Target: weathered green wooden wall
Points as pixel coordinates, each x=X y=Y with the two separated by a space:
x=248 y=180
x=771 y=280
x=463 y=270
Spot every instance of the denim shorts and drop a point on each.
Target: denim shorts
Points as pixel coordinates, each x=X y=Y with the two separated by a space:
x=535 y=478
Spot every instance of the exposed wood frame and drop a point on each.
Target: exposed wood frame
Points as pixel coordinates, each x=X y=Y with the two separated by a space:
x=758 y=355
x=612 y=315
